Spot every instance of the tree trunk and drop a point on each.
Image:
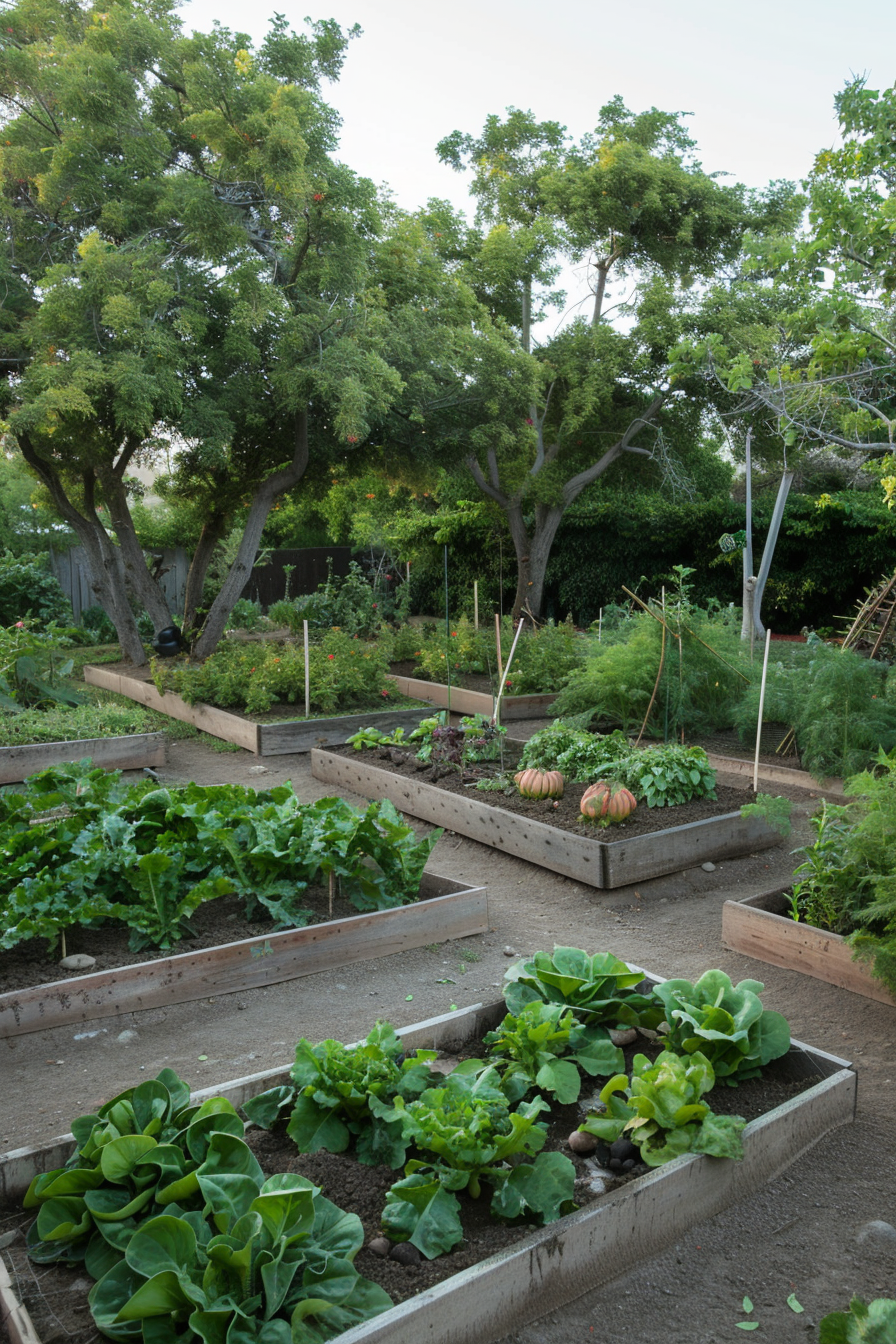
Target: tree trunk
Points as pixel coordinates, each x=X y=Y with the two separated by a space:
x=211 y=534
x=533 y=550
x=241 y=568
x=145 y=590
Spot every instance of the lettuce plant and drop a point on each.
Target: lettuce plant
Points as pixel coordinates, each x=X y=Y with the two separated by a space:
x=660 y=1111
x=342 y=1093
x=726 y=1022
x=545 y=1046
x=598 y=988
x=466 y=1135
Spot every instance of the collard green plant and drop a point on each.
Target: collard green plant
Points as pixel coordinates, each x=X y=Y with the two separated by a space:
x=598 y=988
x=666 y=776
x=864 y=1323
x=725 y=1023
x=661 y=1112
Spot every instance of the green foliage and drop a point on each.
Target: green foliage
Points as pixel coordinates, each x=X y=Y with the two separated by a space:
x=864 y=1323
x=29 y=591
x=598 y=989
x=346 y=674
x=726 y=1022
x=774 y=811
x=247 y=615
x=545 y=1046
x=32 y=669
x=834 y=699
x=62 y=723
x=168 y=1209
x=149 y=856
x=666 y=776
x=661 y=1112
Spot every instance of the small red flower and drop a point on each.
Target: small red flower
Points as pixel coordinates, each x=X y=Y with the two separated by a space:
x=529 y=420
x=385 y=693
x=331 y=656
x=319 y=196
x=251 y=670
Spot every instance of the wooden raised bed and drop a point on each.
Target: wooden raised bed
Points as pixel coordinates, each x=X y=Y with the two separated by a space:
x=598 y=863
x=446 y=910
x=557 y=1263
x=475 y=702
x=760 y=927
x=775 y=774
x=112 y=753
x=284 y=737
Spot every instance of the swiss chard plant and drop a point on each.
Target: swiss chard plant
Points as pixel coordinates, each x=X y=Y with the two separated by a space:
x=598 y=988
x=726 y=1023
x=660 y=1110
x=466 y=1135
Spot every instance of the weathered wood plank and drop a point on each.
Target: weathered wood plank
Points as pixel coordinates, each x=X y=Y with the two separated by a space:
x=112 y=753
x=297 y=735
x=217 y=722
x=635 y=859
x=599 y=863
x=757 y=928
x=288 y=955
x=464 y=701
x=777 y=774
x=13 y=1315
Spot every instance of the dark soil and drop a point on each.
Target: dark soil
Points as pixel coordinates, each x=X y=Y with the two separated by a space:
x=56 y=1295
x=215 y=922
x=561 y=812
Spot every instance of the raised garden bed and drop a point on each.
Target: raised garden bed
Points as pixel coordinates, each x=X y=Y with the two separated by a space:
x=464 y=701
x=602 y=863
x=549 y=1267
x=760 y=927
x=130 y=752
x=446 y=909
x=284 y=737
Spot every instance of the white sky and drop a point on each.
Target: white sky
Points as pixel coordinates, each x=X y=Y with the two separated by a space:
x=759 y=78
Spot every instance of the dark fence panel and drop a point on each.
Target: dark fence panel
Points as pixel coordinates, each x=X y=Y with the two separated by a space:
x=268 y=582
x=70 y=567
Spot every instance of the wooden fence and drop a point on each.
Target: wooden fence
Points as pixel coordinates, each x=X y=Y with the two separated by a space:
x=267 y=583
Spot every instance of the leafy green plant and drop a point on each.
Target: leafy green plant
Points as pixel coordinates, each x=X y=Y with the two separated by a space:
x=660 y=1111
x=483 y=740
x=774 y=811
x=545 y=1046
x=666 y=776
x=342 y=1094
x=725 y=1023
x=32 y=670
x=150 y=856
x=63 y=723
x=598 y=988
x=864 y=1323
x=28 y=590
x=468 y=1135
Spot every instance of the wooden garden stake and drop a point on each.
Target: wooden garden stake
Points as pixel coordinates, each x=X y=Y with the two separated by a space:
x=768 y=638
x=331 y=890
x=475 y=604
x=498 y=647
x=519 y=631
x=307 y=673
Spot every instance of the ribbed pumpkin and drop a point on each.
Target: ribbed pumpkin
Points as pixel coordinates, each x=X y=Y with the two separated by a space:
x=606 y=803
x=539 y=783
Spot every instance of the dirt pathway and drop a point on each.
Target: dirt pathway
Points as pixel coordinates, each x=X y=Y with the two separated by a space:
x=805 y=1234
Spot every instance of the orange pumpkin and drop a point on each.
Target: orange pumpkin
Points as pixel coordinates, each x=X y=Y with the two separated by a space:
x=539 y=783
x=607 y=804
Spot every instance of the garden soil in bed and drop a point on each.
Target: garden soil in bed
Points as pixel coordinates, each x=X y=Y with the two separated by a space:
x=561 y=812
x=214 y=923
x=56 y=1295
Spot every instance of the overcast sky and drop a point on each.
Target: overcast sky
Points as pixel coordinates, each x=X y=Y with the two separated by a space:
x=760 y=79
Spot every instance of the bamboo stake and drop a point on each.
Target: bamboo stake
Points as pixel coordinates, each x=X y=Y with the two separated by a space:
x=768 y=639
x=307 y=673
x=656 y=684
x=475 y=604
x=498 y=647
x=519 y=631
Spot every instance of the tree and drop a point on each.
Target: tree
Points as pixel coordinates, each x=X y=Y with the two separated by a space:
x=190 y=266
x=630 y=203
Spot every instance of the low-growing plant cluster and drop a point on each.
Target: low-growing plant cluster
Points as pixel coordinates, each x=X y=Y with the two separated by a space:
x=661 y=776
x=345 y=674
x=150 y=856
x=474 y=740
x=543 y=659
x=167 y=1208
x=64 y=723
x=479 y=1125
x=846 y=882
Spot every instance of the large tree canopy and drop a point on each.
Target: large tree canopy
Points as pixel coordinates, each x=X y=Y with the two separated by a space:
x=185 y=261
x=631 y=205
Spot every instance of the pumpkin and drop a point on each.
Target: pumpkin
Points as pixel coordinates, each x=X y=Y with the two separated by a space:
x=539 y=783
x=607 y=804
